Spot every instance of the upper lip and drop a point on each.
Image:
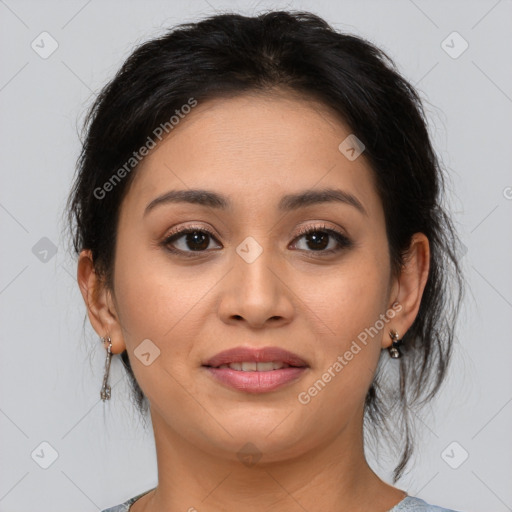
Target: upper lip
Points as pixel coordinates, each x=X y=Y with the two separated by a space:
x=259 y=355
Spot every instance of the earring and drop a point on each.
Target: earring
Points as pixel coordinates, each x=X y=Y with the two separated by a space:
x=105 y=389
x=394 y=350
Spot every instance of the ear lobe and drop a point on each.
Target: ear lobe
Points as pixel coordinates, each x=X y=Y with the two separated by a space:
x=411 y=284
x=99 y=303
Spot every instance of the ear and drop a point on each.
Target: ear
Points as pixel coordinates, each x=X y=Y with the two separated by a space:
x=408 y=287
x=100 y=305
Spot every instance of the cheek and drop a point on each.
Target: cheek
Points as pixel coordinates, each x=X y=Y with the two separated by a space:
x=348 y=310
x=156 y=304
x=351 y=298
x=153 y=297
x=165 y=304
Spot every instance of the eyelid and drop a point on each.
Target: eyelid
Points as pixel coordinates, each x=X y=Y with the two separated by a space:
x=304 y=230
x=183 y=229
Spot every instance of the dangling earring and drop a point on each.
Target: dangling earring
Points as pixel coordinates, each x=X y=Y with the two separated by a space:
x=105 y=389
x=394 y=350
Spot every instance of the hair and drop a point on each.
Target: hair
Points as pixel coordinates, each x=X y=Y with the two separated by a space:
x=230 y=54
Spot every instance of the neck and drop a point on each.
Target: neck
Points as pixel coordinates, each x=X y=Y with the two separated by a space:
x=334 y=477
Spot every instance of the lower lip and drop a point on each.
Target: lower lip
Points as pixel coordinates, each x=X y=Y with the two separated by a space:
x=256 y=382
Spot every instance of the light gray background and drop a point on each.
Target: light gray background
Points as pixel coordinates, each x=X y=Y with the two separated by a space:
x=51 y=371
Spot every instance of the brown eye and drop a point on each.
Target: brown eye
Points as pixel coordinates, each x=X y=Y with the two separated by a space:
x=323 y=240
x=189 y=240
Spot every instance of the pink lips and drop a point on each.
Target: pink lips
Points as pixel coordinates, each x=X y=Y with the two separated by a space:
x=256 y=381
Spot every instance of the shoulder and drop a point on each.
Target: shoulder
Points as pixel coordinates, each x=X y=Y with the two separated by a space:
x=124 y=507
x=412 y=504
x=408 y=504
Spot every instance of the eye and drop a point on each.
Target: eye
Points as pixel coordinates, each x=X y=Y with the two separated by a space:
x=197 y=239
x=190 y=239
x=322 y=239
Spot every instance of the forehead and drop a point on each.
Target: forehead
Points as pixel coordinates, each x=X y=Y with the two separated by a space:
x=252 y=148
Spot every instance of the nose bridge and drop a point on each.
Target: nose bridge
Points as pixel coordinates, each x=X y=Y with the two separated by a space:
x=252 y=262
x=255 y=291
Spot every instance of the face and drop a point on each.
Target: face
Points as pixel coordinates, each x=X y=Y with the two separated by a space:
x=248 y=276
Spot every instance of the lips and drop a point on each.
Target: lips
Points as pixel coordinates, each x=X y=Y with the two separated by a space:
x=252 y=359
x=250 y=370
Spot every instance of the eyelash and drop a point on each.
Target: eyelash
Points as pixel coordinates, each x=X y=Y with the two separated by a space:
x=343 y=241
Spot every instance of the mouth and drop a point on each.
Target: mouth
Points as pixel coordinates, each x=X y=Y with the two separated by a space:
x=256 y=359
x=255 y=370
x=253 y=366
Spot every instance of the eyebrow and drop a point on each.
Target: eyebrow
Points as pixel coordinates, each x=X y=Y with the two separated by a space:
x=288 y=202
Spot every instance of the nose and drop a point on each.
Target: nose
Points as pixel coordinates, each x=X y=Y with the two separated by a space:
x=255 y=291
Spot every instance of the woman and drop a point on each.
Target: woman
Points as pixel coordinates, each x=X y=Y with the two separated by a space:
x=257 y=213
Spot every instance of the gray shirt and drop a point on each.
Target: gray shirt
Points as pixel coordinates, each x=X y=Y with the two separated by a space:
x=408 y=504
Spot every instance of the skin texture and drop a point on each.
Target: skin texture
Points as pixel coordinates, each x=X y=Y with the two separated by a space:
x=255 y=148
